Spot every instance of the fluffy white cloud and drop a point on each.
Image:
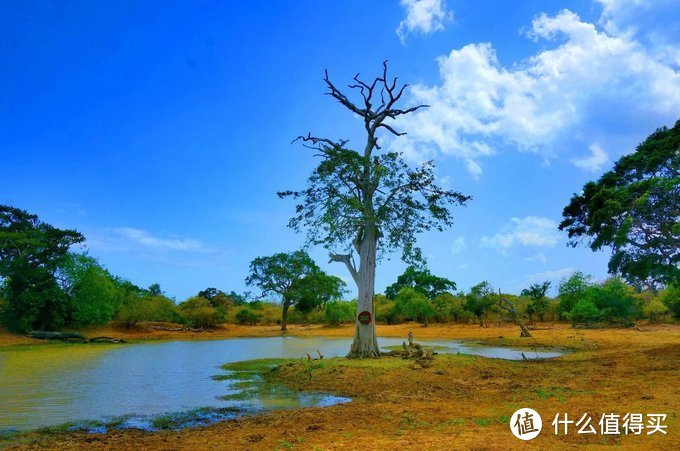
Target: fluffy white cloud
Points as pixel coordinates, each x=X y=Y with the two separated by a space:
x=530 y=231
x=147 y=240
x=458 y=245
x=595 y=162
x=423 y=16
x=583 y=81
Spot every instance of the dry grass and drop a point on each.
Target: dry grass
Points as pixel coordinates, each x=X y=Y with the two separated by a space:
x=462 y=402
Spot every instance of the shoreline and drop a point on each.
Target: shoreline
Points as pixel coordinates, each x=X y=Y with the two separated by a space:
x=462 y=401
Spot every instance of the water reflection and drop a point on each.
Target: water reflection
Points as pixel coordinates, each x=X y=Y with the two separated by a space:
x=49 y=385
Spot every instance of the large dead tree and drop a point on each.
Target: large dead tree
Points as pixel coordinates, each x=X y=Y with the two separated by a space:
x=368 y=202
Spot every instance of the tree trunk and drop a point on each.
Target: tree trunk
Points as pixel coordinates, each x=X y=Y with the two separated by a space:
x=365 y=342
x=284 y=316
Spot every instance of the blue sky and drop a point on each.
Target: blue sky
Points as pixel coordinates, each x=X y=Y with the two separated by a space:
x=162 y=130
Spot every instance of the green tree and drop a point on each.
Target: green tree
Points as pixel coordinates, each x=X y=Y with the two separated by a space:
x=30 y=254
x=296 y=279
x=539 y=303
x=635 y=210
x=414 y=305
x=450 y=308
x=571 y=289
x=479 y=300
x=615 y=300
x=584 y=311
x=93 y=293
x=422 y=281
x=369 y=201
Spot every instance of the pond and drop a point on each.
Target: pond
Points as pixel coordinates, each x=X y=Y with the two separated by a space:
x=51 y=385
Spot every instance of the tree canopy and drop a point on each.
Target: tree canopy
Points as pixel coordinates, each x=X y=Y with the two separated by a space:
x=296 y=279
x=635 y=209
x=422 y=281
x=369 y=201
x=30 y=254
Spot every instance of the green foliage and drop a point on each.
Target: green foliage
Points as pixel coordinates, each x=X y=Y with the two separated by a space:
x=199 y=312
x=340 y=312
x=655 y=310
x=479 y=300
x=634 y=210
x=539 y=303
x=413 y=305
x=422 y=281
x=450 y=308
x=138 y=306
x=247 y=316
x=296 y=279
x=671 y=299
x=30 y=253
x=584 y=311
x=385 y=310
x=571 y=289
x=94 y=294
x=356 y=196
x=615 y=300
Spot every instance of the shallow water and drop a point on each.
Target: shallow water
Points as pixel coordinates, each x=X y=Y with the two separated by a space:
x=50 y=385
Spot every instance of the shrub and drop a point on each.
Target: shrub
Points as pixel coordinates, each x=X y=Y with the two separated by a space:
x=654 y=310
x=340 y=312
x=247 y=316
x=199 y=312
x=414 y=305
x=671 y=299
x=584 y=312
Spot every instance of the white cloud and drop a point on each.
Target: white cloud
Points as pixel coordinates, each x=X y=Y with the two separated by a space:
x=463 y=266
x=539 y=257
x=423 y=16
x=458 y=245
x=144 y=239
x=553 y=276
x=595 y=162
x=530 y=231
x=586 y=79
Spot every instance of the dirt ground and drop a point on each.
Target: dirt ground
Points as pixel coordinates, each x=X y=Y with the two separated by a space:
x=461 y=402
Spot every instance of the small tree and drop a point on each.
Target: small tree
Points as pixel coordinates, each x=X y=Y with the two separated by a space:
x=539 y=304
x=414 y=305
x=367 y=201
x=571 y=289
x=479 y=300
x=296 y=279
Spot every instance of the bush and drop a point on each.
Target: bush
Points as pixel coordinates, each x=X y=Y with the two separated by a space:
x=584 y=312
x=450 y=308
x=247 y=316
x=671 y=299
x=340 y=312
x=615 y=300
x=655 y=310
x=198 y=312
x=385 y=310
x=414 y=305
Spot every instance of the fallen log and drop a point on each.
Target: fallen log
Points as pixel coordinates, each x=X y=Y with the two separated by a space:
x=105 y=339
x=63 y=336
x=45 y=335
